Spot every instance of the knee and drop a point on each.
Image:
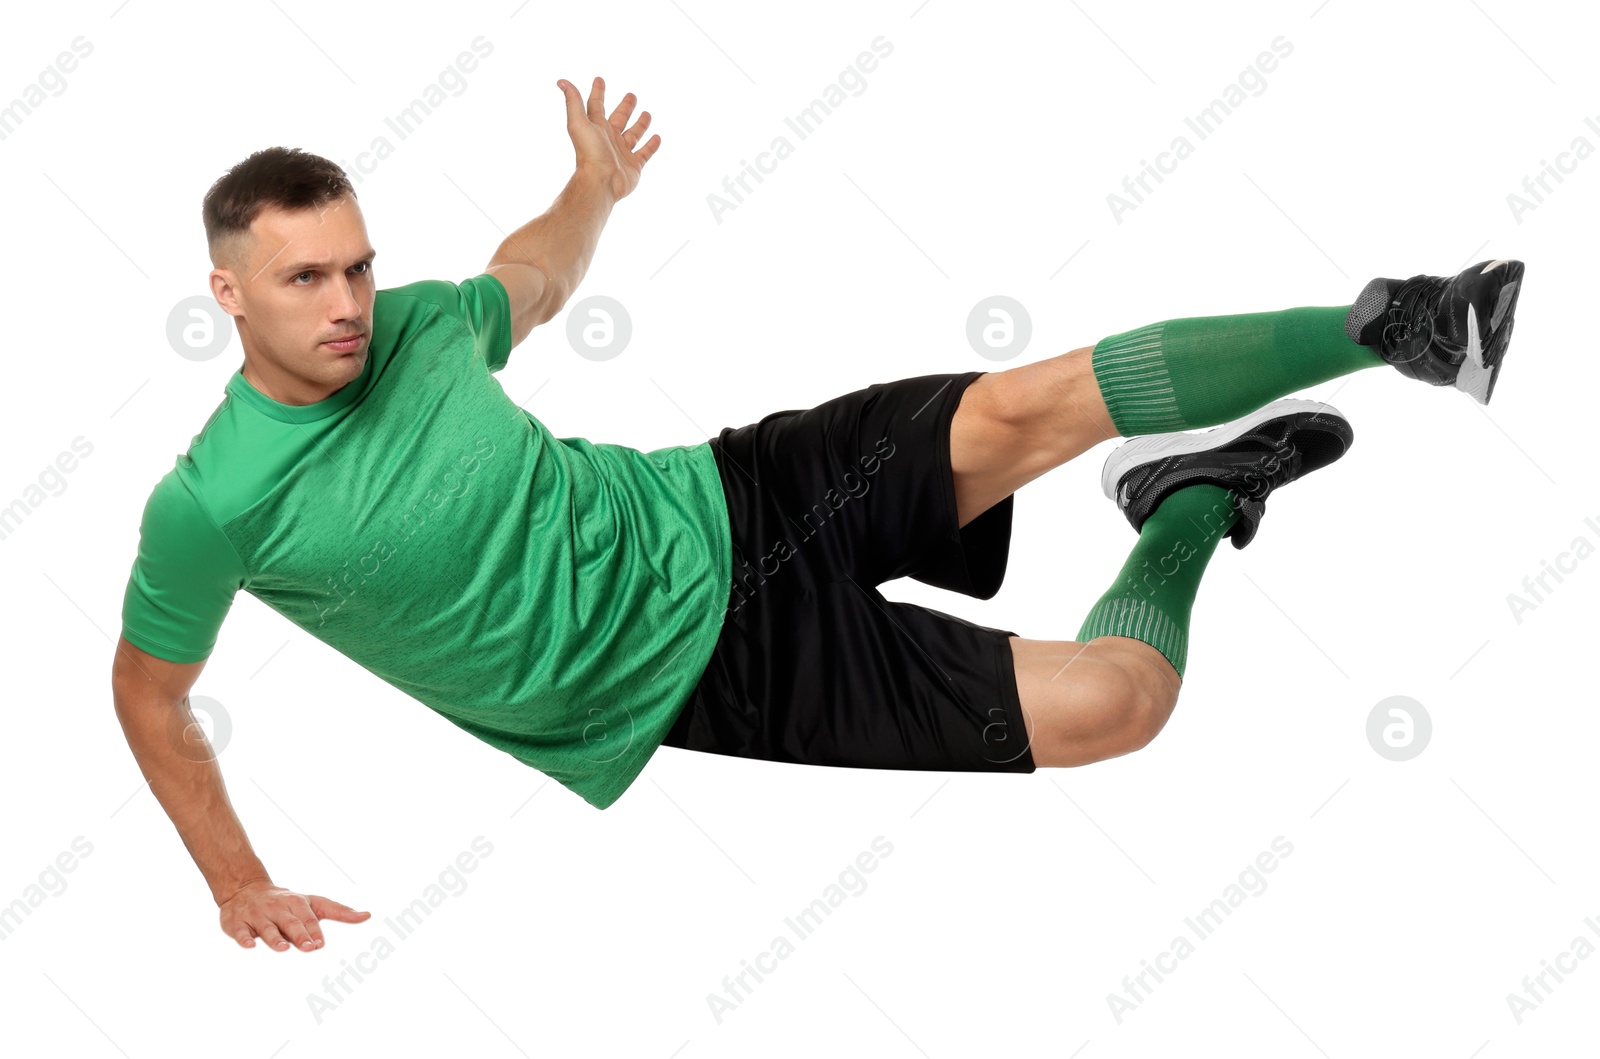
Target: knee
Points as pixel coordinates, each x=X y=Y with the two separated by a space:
x=1149 y=696
x=1115 y=700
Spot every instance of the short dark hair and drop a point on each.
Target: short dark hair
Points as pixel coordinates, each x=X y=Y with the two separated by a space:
x=285 y=177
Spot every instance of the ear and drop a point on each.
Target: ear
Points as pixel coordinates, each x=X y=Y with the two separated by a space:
x=225 y=288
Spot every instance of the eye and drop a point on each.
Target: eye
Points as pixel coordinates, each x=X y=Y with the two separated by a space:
x=302 y=274
x=365 y=267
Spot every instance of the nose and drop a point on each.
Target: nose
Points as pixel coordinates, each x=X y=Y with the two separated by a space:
x=347 y=306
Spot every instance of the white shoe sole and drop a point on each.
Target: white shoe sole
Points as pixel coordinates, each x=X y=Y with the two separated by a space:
x=1473 y=378
x=1148 y=449
x=1476 y=379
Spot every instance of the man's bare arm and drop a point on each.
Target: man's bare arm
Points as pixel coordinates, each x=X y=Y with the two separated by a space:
x=152 y=703
x=542 y=263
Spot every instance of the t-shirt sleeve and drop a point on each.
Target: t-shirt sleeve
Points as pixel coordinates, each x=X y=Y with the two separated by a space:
x=481 y=303
x=184 y=577
x=490 y=307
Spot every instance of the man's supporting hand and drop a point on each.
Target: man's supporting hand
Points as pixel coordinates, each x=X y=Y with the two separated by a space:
x=281 y=917
x=604 y=148
x=152 y=702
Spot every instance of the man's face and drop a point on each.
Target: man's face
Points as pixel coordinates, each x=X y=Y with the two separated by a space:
x=300 y=283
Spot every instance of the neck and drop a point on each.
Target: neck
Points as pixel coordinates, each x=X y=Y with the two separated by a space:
x=285 y=388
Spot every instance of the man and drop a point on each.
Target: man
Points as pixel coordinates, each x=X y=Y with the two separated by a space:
x=579 y=605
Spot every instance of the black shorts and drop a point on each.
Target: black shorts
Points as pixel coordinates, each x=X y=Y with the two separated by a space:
x=813 y=665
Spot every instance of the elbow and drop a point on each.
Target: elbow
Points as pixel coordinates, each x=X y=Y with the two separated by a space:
x=553 y=297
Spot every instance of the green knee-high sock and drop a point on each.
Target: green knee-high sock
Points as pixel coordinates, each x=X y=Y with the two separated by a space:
x=1205 y=370
x=1153 y=594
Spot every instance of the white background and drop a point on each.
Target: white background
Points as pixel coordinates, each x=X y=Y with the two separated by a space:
x=977 y=161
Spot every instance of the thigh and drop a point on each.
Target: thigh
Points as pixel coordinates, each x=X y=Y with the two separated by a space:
x=862 y=486
x=835 y=674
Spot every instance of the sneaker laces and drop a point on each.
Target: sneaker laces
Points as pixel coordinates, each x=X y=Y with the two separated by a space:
x=1415 y=309
x=1276 y=461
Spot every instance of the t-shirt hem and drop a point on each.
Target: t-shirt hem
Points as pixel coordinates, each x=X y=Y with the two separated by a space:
x=609 y=795
x=165 y=652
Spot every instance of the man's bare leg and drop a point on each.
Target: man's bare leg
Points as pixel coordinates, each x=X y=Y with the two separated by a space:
x=1088 y=702
x=1081 y=702
x=1014 y=425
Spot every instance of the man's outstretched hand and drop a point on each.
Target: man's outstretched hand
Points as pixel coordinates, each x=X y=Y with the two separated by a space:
x=603 y=147
x=281 y=918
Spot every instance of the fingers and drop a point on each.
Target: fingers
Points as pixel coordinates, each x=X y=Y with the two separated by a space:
x=323 y=908
x=287 y=920
x=235 y=926
x=304 y=935
x=619 y=117
x=280 y=933
x=268 y=932
x=631 y=137
x=648 y=149
x=574 y=102
x=595 y=111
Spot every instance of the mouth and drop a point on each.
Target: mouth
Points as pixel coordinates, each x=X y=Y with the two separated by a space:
x=346 y=345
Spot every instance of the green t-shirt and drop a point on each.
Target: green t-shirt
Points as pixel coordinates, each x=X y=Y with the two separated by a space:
x=558 y=599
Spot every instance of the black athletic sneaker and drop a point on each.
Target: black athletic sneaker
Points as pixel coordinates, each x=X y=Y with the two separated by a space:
x=1250 y=457
x=1446 y=331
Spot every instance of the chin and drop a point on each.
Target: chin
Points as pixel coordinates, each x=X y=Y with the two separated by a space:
x=342 y=368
